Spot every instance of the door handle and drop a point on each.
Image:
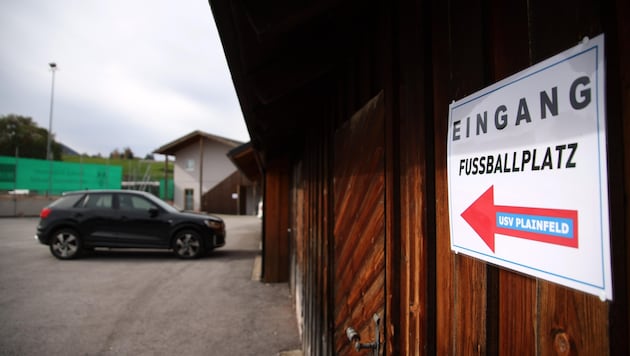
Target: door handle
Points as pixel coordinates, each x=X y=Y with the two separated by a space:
x=353 y=336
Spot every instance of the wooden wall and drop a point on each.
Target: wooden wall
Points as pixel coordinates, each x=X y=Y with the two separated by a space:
x=423 y=55
x=218 y=200
x=482 y=309
x=312 y=244
x=324 y=281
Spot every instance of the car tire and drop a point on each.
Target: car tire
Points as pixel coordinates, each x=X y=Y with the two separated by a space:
x=187 y=244
x=66 y=244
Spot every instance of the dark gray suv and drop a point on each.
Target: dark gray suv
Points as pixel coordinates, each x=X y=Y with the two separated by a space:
x=80 y=221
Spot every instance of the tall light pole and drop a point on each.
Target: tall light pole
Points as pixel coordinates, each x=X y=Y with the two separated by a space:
x=53 y=68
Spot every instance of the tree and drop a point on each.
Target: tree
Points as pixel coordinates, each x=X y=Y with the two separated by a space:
x=128 y=153
x=115 y=154
x=21 y=135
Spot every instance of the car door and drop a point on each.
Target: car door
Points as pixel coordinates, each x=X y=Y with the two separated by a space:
x=141 y=222
x=97 y=219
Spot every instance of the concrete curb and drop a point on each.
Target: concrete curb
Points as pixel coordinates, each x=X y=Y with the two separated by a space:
x=257 y=269
x=291 y=353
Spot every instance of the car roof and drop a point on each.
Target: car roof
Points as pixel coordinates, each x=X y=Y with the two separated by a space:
x=125 y=191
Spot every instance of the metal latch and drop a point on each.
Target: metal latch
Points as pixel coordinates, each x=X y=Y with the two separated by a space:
x=353 y=336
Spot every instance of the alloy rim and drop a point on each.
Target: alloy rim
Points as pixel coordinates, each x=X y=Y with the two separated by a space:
x=65 y=245
x=187 y=245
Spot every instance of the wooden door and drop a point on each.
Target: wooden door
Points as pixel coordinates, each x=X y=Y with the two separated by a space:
x=359 y=224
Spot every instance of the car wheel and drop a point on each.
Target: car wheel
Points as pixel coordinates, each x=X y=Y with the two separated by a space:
x=65 y=244
x=187 y=244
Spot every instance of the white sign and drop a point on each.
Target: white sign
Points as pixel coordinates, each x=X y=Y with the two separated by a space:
x=527 y=172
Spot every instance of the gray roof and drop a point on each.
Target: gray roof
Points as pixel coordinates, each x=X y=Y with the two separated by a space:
x=172 y=147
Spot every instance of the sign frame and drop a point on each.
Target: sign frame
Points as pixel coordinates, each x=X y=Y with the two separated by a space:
x=517 y=153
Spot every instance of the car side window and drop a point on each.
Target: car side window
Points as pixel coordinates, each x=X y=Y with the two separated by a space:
x=98 y=201
x=132 y=202
x=141 y=203
x=124 y=202
x=68 y=201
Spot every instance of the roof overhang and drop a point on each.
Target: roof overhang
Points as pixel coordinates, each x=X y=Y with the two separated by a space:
x=247 y=160
x=284 y=56
x=175 y=146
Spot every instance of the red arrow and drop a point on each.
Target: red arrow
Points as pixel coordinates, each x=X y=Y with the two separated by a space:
x=554 y=226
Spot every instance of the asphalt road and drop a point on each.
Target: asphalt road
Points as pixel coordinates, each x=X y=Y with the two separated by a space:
x=140 y=302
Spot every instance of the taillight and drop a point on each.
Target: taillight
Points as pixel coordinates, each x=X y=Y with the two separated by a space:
x=44 y=213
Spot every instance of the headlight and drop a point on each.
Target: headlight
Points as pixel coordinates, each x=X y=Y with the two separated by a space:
x=213 y=224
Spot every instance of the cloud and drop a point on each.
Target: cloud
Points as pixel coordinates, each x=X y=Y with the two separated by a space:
x=131 y=73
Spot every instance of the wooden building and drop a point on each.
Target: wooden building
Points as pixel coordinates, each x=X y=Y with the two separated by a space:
x=347 y=105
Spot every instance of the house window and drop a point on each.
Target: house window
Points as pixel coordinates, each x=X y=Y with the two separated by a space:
x=190 y=165
x=189 y=199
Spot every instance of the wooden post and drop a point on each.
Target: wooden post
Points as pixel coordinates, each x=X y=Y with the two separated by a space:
x=166 y=178
x=200 y=171
x=276 y=216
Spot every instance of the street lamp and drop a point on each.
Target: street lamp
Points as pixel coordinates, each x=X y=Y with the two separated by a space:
x=53 y=68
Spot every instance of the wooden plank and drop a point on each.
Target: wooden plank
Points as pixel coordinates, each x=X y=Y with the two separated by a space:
x=370 y=191
x=359 y=225
x=568 y=322
x=393 y=330
x=276 y=239
x=517 y=308
x=620 y=339
x=549 y=36
x=509 y=46
x=571 y=323
x=445 y=261
x=315 y=303
x=316 y=251
x=468 y=67
x=353 y=271
x=416 y=181
x=617 y=30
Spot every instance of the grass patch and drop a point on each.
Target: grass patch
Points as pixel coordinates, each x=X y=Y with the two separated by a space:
x=134 y=169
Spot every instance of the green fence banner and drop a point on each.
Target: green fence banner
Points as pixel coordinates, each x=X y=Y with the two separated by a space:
x=55 y=177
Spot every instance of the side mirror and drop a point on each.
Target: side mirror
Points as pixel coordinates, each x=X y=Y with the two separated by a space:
x=153 y=212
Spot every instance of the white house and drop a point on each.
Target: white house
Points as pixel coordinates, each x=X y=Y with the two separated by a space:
x=201 y=165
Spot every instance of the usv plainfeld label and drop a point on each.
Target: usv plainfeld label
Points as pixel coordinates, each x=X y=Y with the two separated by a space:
x=527 y=172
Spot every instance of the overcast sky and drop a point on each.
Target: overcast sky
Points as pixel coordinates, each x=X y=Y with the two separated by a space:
x=136 y=74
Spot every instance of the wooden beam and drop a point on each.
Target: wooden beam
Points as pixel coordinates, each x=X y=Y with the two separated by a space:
x=280 y=18
x=276 y=225
x=200 y=165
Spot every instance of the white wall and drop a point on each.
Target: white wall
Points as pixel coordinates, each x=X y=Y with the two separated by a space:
x=216 y=167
